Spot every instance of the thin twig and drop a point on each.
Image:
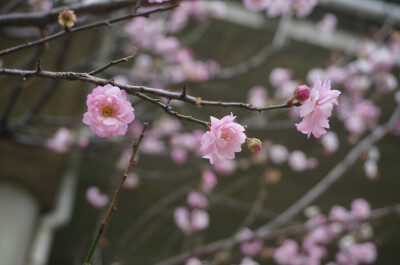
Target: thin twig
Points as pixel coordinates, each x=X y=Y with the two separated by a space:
x=113 y=204
x=130 y=89
x=83 y=27
x=101 y=69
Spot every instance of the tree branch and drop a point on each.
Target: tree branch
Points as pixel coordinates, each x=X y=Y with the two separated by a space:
x=130 y=89
x=83 y=27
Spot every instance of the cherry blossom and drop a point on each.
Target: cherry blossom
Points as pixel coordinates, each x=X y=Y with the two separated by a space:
x=109 y=111
x=317 y=109
x=223 y=140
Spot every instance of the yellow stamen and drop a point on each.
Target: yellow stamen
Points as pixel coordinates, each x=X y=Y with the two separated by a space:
x=107 y=111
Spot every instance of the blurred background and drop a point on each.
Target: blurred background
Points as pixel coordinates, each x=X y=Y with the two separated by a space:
x=56 y=184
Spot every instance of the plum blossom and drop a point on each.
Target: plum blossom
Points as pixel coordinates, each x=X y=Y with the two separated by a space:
x=328 y=23
x=208 y=181
x=190 y=222
x=286 y=253
x=297 y=161
x=330 y=142
x=251 y=248
x=256 y=5
x=223 y=140
x=109 y=111
x=248 y=261
x=193 y=261
x=61 y=141
x=280 y=76
x=278 y=153
x=317 y=109
x=96 y=198
x=360 y=209
x=197 y=200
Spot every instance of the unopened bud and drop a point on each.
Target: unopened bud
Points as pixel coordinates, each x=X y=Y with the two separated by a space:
x=67 y=18
x=302 y=93
x=253 y=144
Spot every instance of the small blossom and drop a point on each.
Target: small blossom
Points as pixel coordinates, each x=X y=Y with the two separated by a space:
x=96 y=198
x=190 y=222
x=67 y=18
x=251 y=248
x=371 y=169
x=278 y=153
x=317 y=109
x=360 y=209
x=223 y=140
x=208 y=181
x=286 y=253
x=109 y=111
x=61 y=141
x=338 y=214
x=197 y=200
x=253 y=144
x=193 y=261
x=297 y=161
x=279 y=76
x=179 y=156
x=255 y=5
x=330 y=142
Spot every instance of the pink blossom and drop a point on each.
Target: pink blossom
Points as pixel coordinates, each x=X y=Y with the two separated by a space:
x=223 y=140
x=166 y=45
x=152 y=145
x=197 y=200
x=248 y=261
x=371 y=169
x=328 y=23
x=179 y=156
x=302 y=93
x=360 y=209
x=277 y=8
x=286 y=253
x=278 y=153
x=338 y=214
x=61 y=141
x=208 y=181
x=193 y=261
x=363 y=253
x=83 y=142
x=225 y=168
x=312 y=163
x=96 y=198
x=297 y=161
x=256 y=5
x=190 y=222
x=257 y=96
x=330 y=142
x=109 y=111
x=280 y=76
x=132 y=181
x=244 y=234
x=251 y=248
x=317 y=109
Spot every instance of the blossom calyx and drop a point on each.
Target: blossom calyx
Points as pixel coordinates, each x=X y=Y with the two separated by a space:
x=253 y=144
x=67 y=18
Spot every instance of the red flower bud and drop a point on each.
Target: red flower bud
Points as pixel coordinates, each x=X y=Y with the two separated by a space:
x=253 y=144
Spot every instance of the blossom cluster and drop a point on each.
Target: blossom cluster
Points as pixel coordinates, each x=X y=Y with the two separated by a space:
x=273 y=8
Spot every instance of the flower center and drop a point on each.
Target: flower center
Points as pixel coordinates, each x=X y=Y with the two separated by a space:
x=226 y=135
x=107 y=111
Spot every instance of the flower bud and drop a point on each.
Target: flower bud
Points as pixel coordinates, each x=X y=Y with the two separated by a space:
x=253 y=144
x=67 y=18
x=302 y=93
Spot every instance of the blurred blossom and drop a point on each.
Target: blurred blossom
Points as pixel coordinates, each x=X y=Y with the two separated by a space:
x=193 y=261
x=287 y=252
x=328 y=23
x=278 y=153
x=256 y=5
x=197 y=200
x=346 y=242
x=61 y=141
x=386 y=82
x=208 y=181
x=244 y=234
x=312 y=211
x=312 y=163
x=383 y=59
x=360 y=209
x=179 y=156
x=330 y=142
x=83 y=142
x=366 y=231
x=257 y=96
x=371 y=169
x=151 y=145
x=226 y=167
x=132 y=181
x=251 y=248
x=135 y=128
x=314 y=74
x=285 y=91
x=373 y=153
x=339 y=214
x=297 y=161
x=248 y=261
x=39 y=6
x=279 y=76
x=272 y=175
x=96 y=198
x=277 y=8
x=303 y=7
x=190 y=222
x=121 y=79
